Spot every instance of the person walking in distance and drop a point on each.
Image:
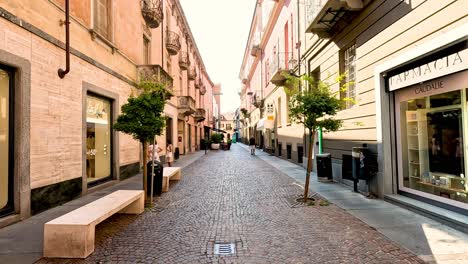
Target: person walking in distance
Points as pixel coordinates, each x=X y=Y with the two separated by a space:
x=169 y=154
x=252 y=145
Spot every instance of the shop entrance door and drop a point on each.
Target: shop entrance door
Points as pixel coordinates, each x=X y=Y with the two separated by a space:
x=6 y=141
x=98 y=140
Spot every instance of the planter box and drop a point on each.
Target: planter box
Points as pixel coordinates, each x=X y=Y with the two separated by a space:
x=214 y=146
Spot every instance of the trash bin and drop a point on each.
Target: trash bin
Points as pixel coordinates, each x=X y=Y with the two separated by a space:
x=360 y=164
x=176 y=154
x=158 y=178
x=324 y=167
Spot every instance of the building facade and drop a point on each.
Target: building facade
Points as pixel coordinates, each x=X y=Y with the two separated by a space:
x=56 y=136
x=406 y=62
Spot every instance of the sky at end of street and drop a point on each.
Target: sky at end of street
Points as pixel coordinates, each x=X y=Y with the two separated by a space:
x=221 y=29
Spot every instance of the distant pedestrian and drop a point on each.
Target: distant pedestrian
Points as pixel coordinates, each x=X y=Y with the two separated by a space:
x=156 y=153
x=169 y=153
x=252 y=145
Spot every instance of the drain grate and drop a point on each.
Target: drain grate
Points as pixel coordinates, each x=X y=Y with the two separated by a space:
x=224 y=249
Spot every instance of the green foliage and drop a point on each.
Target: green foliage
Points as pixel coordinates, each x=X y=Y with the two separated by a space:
x=143 y=116
x=217 y=138
x=316 y=106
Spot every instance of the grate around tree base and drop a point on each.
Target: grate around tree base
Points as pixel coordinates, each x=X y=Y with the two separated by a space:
x=224 y=249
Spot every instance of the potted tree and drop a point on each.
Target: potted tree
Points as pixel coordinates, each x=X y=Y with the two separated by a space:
x=216 y=140
x=315 y=107
x=143 y=118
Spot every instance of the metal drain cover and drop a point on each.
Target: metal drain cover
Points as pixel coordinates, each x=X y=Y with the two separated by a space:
x=224 y=249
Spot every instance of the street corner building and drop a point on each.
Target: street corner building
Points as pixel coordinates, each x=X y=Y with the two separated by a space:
x=406 y=63
x=56 y=132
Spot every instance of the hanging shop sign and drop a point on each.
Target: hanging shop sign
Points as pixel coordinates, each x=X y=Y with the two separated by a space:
x=440 y=67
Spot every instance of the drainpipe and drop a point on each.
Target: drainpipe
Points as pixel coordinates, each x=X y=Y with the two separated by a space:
x=61 y=72
x=162 y=36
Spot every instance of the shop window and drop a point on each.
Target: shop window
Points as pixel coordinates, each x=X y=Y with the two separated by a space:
x=98 y=139
x=348 y=67
x=288 y=151
x=102 y=18
x=6 y=141
x=280 y=150
x=433 y=145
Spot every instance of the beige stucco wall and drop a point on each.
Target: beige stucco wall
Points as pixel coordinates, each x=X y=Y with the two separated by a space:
x=56 y=107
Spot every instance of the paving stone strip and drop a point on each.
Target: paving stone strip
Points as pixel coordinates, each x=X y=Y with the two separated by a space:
x=233 y=197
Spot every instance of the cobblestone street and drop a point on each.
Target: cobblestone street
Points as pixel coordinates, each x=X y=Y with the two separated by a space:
x=233 y=197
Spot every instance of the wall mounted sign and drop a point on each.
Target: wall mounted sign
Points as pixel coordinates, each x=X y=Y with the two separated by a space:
x=443 y=66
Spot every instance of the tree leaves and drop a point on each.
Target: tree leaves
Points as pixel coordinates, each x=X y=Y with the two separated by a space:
x=142 y=116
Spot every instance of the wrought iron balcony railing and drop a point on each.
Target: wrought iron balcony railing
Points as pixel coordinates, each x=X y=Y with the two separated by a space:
x=186 y=105
x=155 y=73
x=203 y=90
x=152 y=12
x=192 y=74
x=200 y=115
x=279 y=66
x=184 y=60
x=172 y=42
x=323 y=15
x=198 y=83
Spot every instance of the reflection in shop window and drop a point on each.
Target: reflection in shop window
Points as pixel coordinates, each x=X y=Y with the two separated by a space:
x=98 y=139
x=433 y=145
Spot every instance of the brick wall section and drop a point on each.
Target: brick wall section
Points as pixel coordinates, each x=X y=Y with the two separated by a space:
x=56 y=107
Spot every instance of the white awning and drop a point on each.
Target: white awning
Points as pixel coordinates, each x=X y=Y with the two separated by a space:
x=261 y=124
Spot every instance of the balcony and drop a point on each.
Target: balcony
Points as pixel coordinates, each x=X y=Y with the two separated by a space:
x=186 y=105
x=256 y=49
x=198 y=84
x=152 y=12
x=184 y=60
x=203 y=90
x=200 y=115
x=279 y=67
x=155 y=73
x=322 y=16
x=172 y=42
x=192 y=74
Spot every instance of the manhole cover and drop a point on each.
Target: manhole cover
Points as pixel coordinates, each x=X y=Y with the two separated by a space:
x=224 y=249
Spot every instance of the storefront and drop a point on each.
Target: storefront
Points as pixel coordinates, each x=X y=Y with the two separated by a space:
x=6 y=142
x=98 y=139
x=428 y=102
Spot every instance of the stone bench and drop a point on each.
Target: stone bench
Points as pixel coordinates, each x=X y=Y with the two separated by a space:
x=72 y=235
x=170 y=173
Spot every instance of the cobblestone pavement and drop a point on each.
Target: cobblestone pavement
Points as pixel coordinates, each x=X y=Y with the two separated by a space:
x=233 y=197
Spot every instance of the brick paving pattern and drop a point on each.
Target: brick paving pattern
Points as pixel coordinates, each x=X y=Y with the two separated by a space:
x=233 y=197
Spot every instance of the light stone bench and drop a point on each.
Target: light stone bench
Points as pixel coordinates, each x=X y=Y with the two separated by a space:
x=72 y=235
x=170 y=173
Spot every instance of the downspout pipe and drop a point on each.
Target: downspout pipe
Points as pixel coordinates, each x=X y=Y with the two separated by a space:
x=61 y=72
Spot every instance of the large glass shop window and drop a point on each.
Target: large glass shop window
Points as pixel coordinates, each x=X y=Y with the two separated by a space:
x=98 y=139
x=6 y=181
x=433 y=145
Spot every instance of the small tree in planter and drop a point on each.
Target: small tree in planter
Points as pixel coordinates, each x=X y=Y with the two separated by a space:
x=216 y=138
x=315 y=108
x=143 y=118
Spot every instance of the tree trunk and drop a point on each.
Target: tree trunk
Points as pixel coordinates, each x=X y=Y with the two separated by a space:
x=309 y=164
x=145 y=170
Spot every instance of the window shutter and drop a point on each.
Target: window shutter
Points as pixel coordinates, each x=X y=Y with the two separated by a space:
x=101 y=17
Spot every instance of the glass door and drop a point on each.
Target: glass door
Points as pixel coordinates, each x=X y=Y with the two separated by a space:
x=6 y=142
x=98 y=140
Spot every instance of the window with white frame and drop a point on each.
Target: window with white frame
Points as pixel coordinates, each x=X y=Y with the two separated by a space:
x=348 y=61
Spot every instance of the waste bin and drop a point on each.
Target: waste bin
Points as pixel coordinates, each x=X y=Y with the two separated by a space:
x=360 y=164
x=176 y=154
x=324 y=167
x=158 y=178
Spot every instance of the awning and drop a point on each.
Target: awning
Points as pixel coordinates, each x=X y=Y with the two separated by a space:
x=218 y=130
x=265 y=123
